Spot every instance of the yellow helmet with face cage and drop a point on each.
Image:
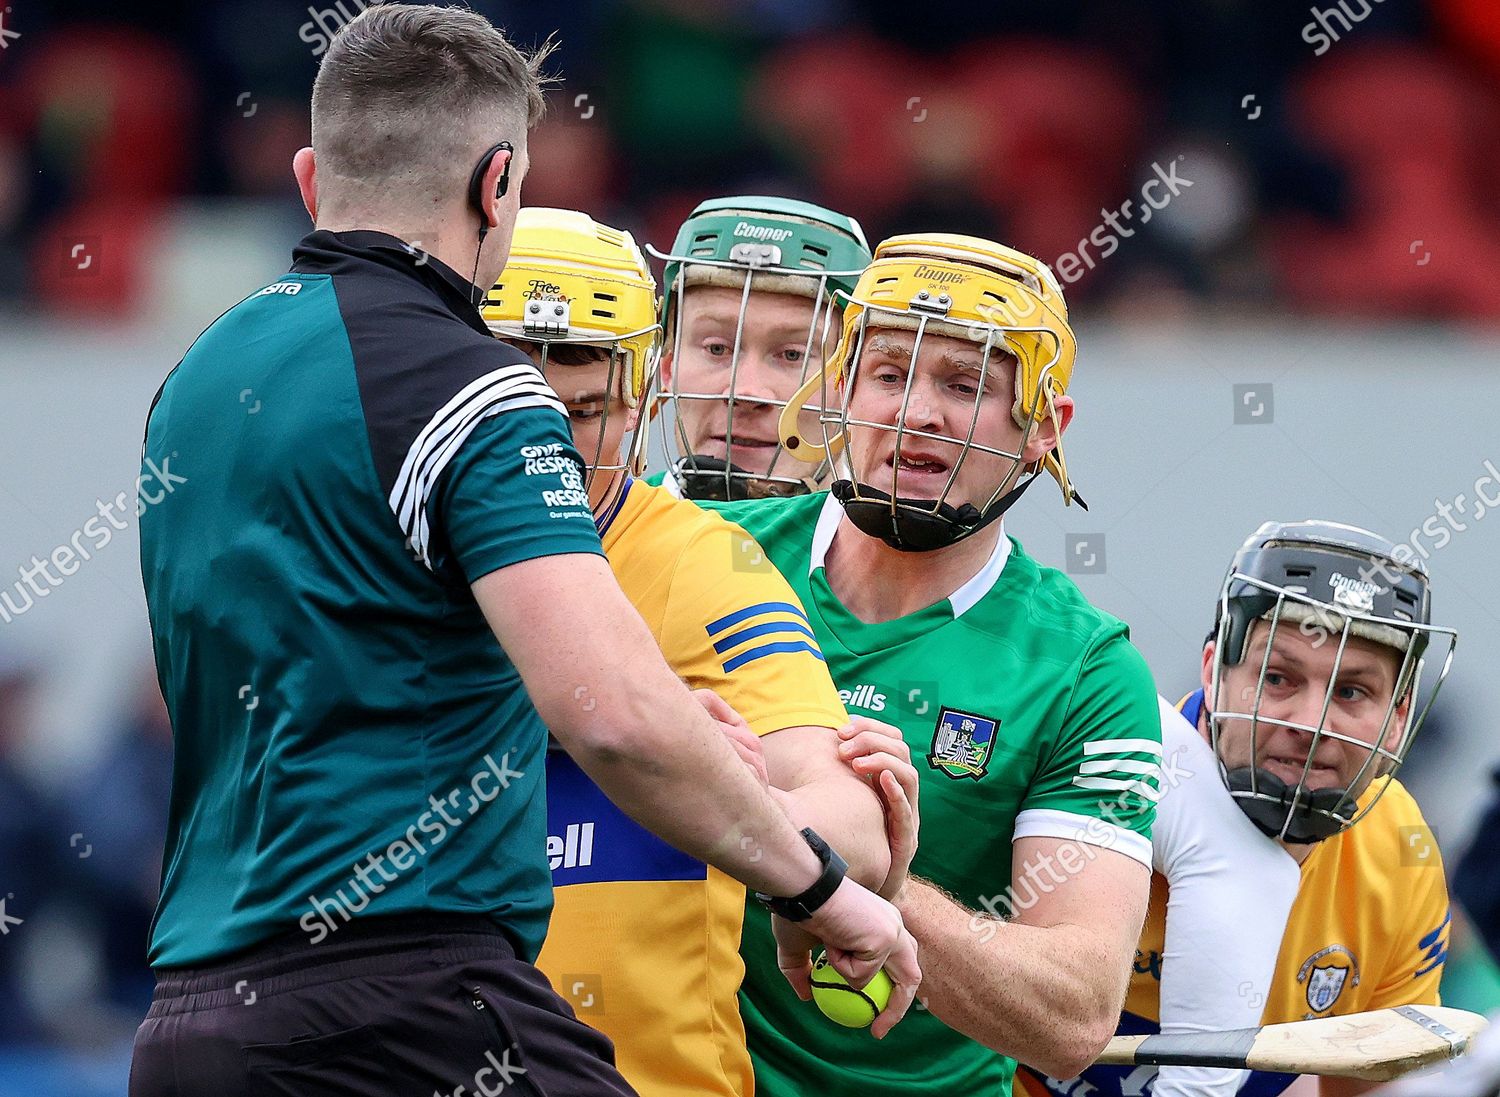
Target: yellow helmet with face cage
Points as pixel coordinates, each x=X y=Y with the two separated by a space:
x=573 y=280
x=970 y=288
x=954 y=287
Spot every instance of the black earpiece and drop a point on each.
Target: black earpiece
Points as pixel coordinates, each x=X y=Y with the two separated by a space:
x=476 y=200
x=476 y=180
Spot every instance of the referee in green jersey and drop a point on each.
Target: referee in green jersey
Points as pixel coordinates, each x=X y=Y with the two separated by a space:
x=371 y=491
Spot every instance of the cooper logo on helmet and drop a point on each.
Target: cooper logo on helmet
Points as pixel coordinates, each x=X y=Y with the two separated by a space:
x=760 y=232
x=1353 y=594
x=941 y=277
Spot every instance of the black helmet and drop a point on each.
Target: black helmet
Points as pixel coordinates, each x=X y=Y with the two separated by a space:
x=1330 y=582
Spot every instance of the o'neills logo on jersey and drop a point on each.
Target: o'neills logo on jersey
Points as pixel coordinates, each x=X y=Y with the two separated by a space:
x=760 y=232
x=863 y=697
x=573 y=848
x=939 y=276
x=1353 y=594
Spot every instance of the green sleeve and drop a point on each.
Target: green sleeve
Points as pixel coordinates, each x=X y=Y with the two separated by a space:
x=514 y=492
x=1101 y=781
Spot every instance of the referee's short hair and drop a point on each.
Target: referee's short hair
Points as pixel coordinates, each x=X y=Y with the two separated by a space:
x=409 y=96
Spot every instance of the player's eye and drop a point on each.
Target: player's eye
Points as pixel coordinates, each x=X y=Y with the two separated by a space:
x=965 y=388
x=1350 y=693
x=1276 y=680
x=717 y=348
x=795 y=355
x=584 y=413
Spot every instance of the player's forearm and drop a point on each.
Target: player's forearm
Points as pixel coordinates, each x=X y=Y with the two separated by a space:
x=681 y=780
x=1043 y=995
x=846 y=812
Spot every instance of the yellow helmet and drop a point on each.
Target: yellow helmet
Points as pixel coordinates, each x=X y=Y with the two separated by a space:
x=571 y=279
x=963 y=286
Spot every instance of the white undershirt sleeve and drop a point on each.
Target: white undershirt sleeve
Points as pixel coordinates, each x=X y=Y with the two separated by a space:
x=1230 y=891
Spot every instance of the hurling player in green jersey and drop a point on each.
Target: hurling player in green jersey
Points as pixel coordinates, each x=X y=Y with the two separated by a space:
x=1032 y=720
x=749 y=310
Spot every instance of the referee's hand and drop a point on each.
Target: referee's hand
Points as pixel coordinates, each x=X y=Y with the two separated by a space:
x=862 y=934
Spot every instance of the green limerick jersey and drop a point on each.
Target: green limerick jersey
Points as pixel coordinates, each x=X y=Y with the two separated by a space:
x=1028 y=712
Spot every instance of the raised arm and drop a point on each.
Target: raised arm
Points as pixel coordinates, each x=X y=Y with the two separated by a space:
x=634 y=728
x=821 y=791
x=596 y=676
x=743 y=633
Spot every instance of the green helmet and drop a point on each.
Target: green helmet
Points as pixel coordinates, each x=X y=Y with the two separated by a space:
x=754 y=244
x=793 y=242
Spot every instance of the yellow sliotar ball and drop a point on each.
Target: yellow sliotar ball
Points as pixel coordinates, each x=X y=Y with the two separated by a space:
x=841 y=1003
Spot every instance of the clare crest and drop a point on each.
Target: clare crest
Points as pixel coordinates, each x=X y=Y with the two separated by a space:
x=962 y=743
x=1326 y=973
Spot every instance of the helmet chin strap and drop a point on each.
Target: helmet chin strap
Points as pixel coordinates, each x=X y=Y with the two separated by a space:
x=1274 y=806
x=715 y=480
x=915 y=525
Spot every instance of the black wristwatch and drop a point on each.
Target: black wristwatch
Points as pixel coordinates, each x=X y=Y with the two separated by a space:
x=799 y=908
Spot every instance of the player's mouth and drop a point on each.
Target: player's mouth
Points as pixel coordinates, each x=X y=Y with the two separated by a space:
x=917 y=467
x=1289 y=768
x=746 y=442
x=746 y=450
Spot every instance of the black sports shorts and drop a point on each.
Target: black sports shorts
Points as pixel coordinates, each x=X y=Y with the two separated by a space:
x=406 y=1006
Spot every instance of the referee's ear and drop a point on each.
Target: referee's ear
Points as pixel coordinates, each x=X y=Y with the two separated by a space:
x=306 y=172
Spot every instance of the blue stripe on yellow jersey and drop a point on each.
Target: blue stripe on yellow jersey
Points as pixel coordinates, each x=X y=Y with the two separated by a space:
x=761 y=608
x=770 y=619
x=765 y=629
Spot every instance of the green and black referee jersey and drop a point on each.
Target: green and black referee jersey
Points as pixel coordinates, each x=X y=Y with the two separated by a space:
x=356 y=449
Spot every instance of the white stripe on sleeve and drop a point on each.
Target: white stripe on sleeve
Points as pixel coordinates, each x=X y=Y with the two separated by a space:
x=1119 y=784
x=1086 y=830
x=509 y=388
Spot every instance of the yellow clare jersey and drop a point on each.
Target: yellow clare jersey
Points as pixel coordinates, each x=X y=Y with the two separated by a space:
x=1368 y=929
x=644 y=940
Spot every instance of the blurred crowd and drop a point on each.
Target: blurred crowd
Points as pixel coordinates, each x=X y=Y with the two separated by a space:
x=80 y=863
x=1335 y=158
